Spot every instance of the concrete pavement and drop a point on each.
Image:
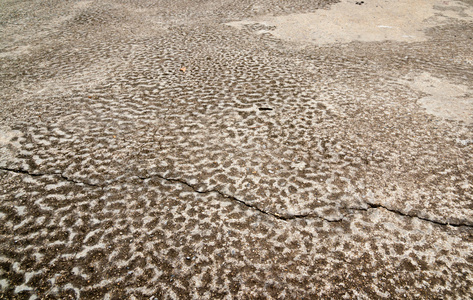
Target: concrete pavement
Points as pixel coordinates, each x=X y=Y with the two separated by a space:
x=221 y=150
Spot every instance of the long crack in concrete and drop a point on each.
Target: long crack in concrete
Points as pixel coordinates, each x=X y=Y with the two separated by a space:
x=60 y=175
x=280 y=216
x=252 y=206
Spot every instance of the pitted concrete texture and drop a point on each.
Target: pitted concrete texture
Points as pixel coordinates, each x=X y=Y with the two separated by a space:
x=148 y=150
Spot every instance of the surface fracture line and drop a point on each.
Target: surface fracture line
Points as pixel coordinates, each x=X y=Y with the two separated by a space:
x=302 y=216
x=398 y=212
x=24 y=172
x=254 y=207
x=275 y=215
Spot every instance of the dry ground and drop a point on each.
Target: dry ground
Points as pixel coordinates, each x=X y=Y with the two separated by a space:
x=225 y=149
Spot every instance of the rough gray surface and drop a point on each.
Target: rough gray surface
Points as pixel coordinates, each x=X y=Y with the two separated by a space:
x=149 y=150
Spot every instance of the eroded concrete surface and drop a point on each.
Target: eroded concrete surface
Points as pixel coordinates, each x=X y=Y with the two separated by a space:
x=227 y=149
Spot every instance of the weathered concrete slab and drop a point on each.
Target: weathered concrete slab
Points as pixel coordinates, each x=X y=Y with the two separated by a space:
x=365 y=21
x=149 y=150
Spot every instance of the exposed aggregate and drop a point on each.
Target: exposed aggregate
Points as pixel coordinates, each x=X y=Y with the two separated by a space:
x=261 y=170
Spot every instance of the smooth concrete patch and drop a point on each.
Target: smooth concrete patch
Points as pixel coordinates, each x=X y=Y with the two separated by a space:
x=445 y=99
x=372 y=20
x=9 y=140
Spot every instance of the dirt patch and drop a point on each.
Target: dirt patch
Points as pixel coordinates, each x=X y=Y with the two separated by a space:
x=366 y=21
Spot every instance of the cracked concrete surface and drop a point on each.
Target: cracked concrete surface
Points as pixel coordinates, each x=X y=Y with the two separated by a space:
x=274 y=214
x=150 y=151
